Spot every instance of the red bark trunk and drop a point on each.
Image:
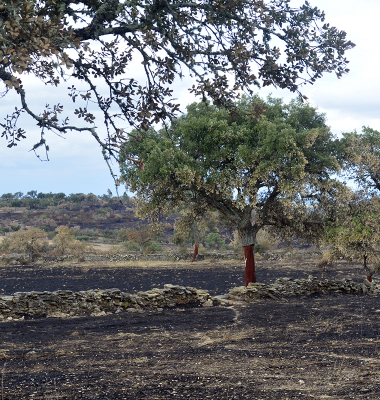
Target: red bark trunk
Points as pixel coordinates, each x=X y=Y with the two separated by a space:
x=369 y=277
x=196 y=247
x=250 y=272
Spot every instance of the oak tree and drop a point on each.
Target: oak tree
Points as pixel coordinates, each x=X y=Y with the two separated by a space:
x=268 y=165
x=361 y=155
x=225 y=45
x=32 y=242
x=64 y=242
x=355 y=234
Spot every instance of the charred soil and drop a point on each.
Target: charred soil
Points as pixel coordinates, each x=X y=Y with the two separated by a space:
x=305 y=347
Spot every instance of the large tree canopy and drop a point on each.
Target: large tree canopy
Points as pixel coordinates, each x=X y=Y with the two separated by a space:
x=269 y=160
x=247 y=42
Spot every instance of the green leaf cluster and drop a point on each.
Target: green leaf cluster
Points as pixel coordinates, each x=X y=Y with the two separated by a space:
x=262 y=157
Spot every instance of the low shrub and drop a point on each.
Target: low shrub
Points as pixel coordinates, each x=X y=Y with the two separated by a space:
x=131 y=246
x=151 y=247
x=182 y=249
x=262 y=247
x=83 y=238
x=5 y=244
x=100 y=212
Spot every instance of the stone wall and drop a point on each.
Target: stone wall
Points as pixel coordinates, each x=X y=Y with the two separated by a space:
x=22 y=258
x=293 y=287
x=68 y=302
x=65 y=302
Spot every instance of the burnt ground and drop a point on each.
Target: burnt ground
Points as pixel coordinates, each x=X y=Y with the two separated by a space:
x=214 y=276
x=306 y=347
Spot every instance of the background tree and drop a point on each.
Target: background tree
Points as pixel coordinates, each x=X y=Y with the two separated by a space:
x=143 y=235
x=361 y=155
x=214 y=241
x=32 y=194
x=193 y=228
x=64 y=242
x=355 y=235
x=248 y=43
x=267 y=166
x=32 y=242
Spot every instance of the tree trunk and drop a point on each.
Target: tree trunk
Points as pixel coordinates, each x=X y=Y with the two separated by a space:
x=369 y=277
x=250 y=271
x=196 y=248
x=247 y=237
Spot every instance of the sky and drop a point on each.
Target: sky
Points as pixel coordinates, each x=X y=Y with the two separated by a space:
x=75 y=162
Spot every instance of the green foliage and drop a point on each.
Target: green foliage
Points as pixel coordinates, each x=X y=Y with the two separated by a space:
x=261 y=247
x=32 y=194
x=214 y=241
x=100 y=212
x=131 y=246
x=5 y=244
x=7 y=196
x=45 y=228
x=355 y=234
x=192 y=228
x=16 y=203
x=264 y=160
x=65 y=242
x=83 y=238
x=75 y=198
x=217 y=41
x=182 y=249
x=361 y=156
x=108 y=232
x=32 y=203
x=151 y=247
x=5 y=230
x=15 y=228
x=32 y=242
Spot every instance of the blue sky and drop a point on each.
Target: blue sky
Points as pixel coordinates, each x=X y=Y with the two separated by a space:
x=76 y=164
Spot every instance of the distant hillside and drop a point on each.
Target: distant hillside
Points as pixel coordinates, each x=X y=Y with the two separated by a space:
x=89 y=214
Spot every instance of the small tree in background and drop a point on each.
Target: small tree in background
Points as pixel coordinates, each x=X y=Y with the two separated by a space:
x=65 y=243
x=192 y=227
x=143 y=236
x=214 y=241
x=355 y=235
x=32 y=242
x=361 y=155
